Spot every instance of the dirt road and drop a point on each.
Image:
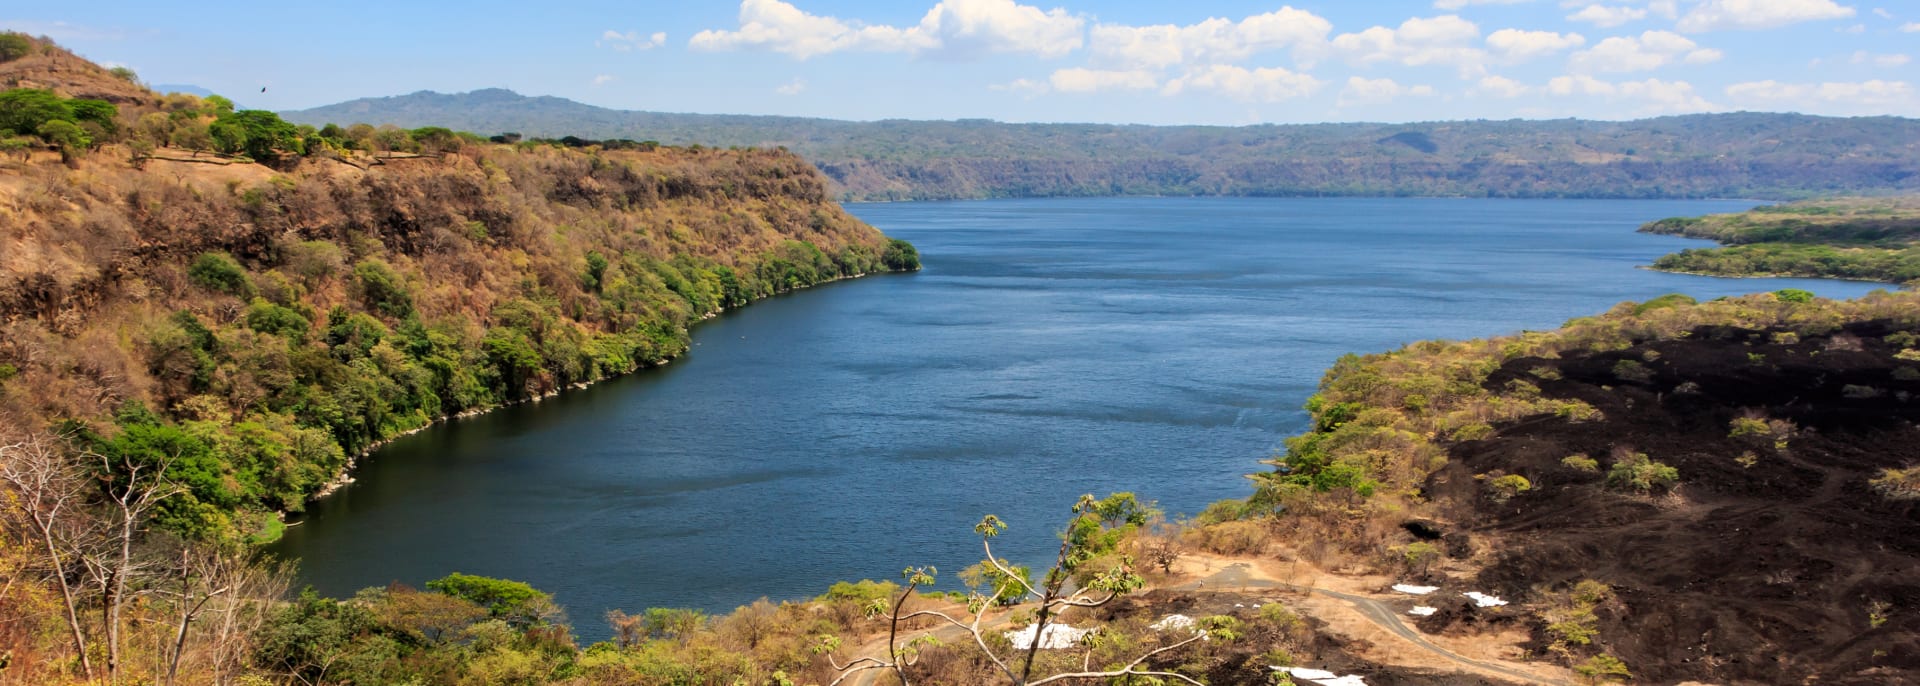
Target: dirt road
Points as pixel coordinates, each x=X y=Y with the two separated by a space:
x=1240 y=577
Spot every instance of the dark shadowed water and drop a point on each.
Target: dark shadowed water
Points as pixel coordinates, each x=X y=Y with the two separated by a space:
x=1050 y=348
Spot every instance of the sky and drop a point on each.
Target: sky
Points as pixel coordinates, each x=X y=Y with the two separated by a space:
x=1124 y=61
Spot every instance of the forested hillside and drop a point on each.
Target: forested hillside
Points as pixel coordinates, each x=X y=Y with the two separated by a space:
x=259 y=302
x=1711 y=155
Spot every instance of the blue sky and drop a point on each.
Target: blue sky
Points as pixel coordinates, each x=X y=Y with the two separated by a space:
x=1198 y=61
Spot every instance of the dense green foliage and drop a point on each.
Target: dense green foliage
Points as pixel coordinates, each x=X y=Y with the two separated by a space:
x=278 y=328
x=70 y=124
x=1714 y=155
x=1798 y=259
x=1868 y=239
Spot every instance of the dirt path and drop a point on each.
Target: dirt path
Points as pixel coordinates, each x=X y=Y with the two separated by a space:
x=1240 y=576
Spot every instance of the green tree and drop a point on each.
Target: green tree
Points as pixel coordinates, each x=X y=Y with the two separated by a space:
x=67 y=136
x=513 y=602
x=258 y=133
x=23 y=110
x=900 y=256
x=99 y=112
x=218 y=271
x=14 y=46
x=382 y=289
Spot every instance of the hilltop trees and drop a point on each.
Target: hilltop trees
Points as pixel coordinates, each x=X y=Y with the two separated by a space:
x=14 y=46
x=258 y=133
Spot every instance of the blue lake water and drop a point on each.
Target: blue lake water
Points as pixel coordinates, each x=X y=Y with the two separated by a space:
x=1049 y=348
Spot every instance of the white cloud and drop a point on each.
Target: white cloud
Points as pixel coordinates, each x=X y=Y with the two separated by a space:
x=1716 y=15
x=1081 y=80
x=1891 y=60
x=603 y=79
x=1451 y=5
x=1501 y=87
x=1656 y=96
x=631 y=40
x=1212 y=41
x=1606 y=16
x=1519 y=46
x=1268 y=84
x=1650 y=50
x=1027 y=87
x=1442 y=40
x=1882 y=13
x=1910 y=27
x=794 y=87
x=1856 y=28
x=1361 y=91
x=1876 y=95
x=951 y=27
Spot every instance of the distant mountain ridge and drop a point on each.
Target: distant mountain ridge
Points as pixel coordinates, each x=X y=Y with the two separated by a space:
x=1707 y=155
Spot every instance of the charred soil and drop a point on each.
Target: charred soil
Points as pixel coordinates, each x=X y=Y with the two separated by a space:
x=1773 y=559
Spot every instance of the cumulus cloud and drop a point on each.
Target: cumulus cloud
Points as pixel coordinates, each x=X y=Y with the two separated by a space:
x=1519 y=46
x=1607 y=16
x=1215 y=40
x=1648 y=51
x=1501 y=87
x=1910 y=27
x=1442 y=40
x=631 y=40
x=1082 y=80
x=951 y=27
x=1361 y=91
x=1656 y=96
x=1890 y=60
x=1268 y=84
x=1876 y=94
x=1718 y=15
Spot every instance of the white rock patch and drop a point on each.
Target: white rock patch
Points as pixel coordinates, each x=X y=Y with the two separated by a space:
x=1422 y=611
x=1411 y=589
x=1058 y=637
x=1172 y=622
x=1484 y=600
x=1322 y=677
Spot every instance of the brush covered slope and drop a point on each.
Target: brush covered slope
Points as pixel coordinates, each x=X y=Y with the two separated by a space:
x=1733 y=155
x=1721 y=492
x=1869 y=239
x=259 y=326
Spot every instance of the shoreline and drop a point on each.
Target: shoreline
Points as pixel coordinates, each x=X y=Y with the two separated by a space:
x=1652 y=268
x=344 y=477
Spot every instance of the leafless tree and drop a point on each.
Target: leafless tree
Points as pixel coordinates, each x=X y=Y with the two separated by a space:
x=132 y=488
x=47 y=490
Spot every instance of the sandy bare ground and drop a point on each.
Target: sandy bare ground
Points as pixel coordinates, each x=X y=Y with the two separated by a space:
x=1348 y=605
